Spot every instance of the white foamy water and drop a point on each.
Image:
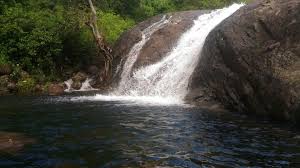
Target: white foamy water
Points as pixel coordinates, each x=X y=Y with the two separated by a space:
x=69 y=83
x=166 y=82
x=86 y=86
x=131 y=100
x=136 y=49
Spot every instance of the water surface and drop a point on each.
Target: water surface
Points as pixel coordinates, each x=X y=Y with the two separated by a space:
x=71 y=132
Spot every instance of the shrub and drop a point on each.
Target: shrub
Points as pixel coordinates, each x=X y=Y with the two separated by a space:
x=113 y=25
x=26 y=85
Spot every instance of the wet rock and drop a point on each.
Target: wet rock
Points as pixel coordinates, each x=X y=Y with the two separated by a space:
x=79 y=77
x=56 y=89
x=12 y=87
x=5 y=69
x=163 y=40
x=38 y=88
x=76 y=85
x=251 y=61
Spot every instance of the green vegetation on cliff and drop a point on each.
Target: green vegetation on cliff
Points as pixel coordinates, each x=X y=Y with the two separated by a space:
x=47 y=38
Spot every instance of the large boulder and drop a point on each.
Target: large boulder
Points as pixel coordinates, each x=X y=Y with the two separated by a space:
x=251 y=61
x=160 y=43
x=56 y=89
x=78 y=79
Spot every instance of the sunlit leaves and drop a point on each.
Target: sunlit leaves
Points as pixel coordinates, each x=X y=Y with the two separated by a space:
x=112 y=25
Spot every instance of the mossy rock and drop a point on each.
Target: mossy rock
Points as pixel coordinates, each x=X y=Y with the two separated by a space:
x=4 y=80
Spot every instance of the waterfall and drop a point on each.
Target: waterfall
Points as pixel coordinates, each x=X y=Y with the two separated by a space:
x=166 y=82
x=135 y=50
x=169 y=78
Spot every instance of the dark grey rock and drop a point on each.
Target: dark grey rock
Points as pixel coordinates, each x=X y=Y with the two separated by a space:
x=251 y=61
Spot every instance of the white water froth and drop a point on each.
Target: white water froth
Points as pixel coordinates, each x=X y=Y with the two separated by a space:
x=166 y=82
x=136 y=49
x=131 y=100
x=69 y=83
x=86 y=86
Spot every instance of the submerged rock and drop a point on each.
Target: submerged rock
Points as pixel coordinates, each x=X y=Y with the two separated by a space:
x=11 y=142
x=251 y=61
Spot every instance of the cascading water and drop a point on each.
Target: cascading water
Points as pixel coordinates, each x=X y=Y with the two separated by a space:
x=167 y=81
x=86 y=86
x=136 y=49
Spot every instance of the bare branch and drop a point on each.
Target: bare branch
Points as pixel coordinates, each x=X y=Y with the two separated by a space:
x=102 y=46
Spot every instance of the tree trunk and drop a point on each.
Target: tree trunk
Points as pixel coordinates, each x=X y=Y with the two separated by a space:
x=103 y=48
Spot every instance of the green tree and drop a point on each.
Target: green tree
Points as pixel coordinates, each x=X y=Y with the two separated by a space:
x=111 y=31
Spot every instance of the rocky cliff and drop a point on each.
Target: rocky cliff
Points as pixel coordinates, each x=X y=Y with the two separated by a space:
x=251 y=61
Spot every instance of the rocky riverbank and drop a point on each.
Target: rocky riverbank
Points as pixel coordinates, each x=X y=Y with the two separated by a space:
x=25 y=84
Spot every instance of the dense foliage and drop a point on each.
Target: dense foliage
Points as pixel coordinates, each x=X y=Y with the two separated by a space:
x=47 y=37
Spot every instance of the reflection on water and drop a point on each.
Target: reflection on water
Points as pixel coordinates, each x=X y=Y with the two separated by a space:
x=124 y=134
